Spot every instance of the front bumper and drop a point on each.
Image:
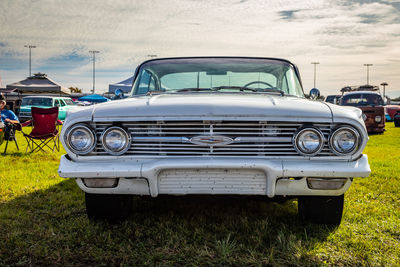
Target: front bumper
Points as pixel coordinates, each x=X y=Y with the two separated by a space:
x=142 y=176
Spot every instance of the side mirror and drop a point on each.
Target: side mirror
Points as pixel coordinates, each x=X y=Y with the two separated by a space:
x=314 y=93
x=119 y=93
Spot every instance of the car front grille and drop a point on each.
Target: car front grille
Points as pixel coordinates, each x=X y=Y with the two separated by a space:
x=173 y=138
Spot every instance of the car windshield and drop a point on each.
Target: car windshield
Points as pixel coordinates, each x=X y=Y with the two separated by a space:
x=362 y=100
x=250 y=75
x=69 y=102
x=34 y=101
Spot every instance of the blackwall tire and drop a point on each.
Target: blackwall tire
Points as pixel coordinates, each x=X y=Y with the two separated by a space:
x=325 y=210
x=112 y=208
x=397 y=123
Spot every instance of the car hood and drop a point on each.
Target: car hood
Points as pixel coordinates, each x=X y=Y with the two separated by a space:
x=222 y=105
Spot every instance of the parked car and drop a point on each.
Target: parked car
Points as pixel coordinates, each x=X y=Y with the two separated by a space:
x=396 y=119
x=64 y=104
x=333 y=99
x=371 y=104
x=211 y=126
x=391 y=110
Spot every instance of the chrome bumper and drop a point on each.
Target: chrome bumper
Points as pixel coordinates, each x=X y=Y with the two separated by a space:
x=143 y=176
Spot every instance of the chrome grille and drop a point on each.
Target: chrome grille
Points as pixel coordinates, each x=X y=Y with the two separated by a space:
x=172 y=138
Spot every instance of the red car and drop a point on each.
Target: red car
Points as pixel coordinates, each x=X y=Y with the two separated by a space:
x=391 y=111
x=371 y=103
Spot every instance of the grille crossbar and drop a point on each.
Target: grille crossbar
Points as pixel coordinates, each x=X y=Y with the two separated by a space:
x=173 y=138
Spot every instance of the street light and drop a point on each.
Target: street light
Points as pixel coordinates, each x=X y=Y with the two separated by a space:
x=315 y=72
x=94 y=52
x=30 y=57
x=367 y=65
x=384 y=84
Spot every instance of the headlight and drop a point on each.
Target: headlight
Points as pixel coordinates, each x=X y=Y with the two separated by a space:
x=344 y=140
x=115 y=140
x=364 y=117
x=309 y=141
x=80 y=139
x=378 y=118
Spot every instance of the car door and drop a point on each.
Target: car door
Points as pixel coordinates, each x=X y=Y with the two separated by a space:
x=62 y=110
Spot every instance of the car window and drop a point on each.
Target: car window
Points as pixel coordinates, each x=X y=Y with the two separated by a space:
x=189 y=79
x=62 y=103
x=36 y=101
x=69 y=102
x=146 y=83
x=330 y=98
x=217 y=75
x=56 y=103
x=362 y=100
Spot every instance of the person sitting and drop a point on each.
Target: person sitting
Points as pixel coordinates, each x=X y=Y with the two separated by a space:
x=8 y=118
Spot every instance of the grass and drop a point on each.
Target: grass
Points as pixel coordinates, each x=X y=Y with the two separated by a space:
x=43 y=222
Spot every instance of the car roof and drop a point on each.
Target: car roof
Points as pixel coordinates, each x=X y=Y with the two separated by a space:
x=222 y=57
x=46 y=96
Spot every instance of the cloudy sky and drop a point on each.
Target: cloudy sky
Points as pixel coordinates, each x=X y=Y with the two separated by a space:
x=341 y=35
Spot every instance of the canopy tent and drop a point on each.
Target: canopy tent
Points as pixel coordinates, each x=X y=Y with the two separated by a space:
x=39 y=83
x=125 y=85
x=94 y=98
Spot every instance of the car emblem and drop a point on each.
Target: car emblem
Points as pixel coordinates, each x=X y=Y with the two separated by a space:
x=215 y=140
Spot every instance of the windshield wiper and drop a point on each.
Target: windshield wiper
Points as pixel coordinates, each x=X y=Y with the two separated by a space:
x=194 y=89
x=270 y=90
x=242 y=88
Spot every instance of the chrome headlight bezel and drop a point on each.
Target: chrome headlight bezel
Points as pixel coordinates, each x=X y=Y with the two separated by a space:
x=85 y=128
x=123 y=149
x=335 y=149
x=302 y=131
x=364 y=117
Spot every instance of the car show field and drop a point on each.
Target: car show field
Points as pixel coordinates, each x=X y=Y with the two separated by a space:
x=43 y=222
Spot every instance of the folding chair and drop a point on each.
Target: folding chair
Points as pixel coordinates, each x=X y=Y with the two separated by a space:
x=45 y=130
x=2 y=129
x=10 y=135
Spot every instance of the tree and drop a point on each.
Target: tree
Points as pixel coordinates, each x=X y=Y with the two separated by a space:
x=75 y=90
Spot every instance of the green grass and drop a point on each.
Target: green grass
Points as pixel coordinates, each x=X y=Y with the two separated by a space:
x=43 y=222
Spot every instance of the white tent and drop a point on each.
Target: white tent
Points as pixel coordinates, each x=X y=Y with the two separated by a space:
x=125 y=85
x=39 y=83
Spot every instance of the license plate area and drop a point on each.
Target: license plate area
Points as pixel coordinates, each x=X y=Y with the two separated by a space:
x=234 y=181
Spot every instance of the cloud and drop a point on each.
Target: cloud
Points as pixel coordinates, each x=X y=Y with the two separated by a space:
x=341 y=35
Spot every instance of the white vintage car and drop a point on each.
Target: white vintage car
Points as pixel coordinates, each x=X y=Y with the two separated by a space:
x=215 y=125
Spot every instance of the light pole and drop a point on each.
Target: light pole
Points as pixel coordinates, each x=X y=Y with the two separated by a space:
x=30 y=57
x=384 y=84
x=367 y=65
x=94 y=52
x=315 y=72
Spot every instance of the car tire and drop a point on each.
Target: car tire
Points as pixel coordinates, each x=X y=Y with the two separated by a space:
x=112 y=208
x=397 y=123
x=325 y=210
